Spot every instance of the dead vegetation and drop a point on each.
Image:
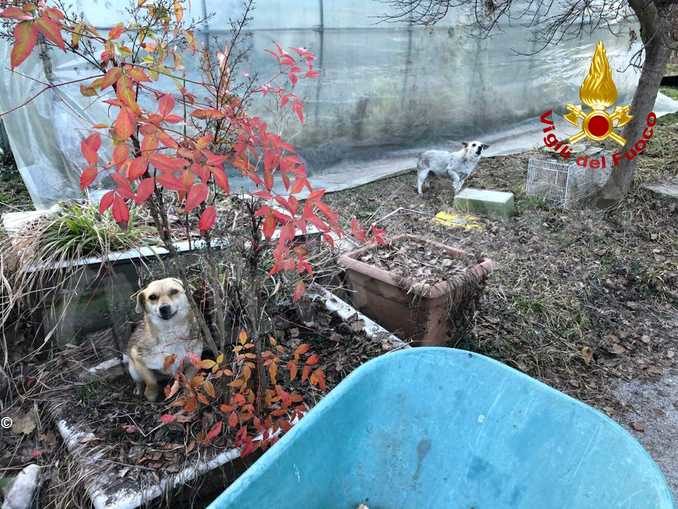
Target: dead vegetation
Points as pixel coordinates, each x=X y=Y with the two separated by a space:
x=419 y=262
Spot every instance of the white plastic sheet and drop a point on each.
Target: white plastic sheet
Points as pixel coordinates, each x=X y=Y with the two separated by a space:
x=385 y=91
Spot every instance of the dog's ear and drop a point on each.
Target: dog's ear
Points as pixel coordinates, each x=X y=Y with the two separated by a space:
x=177 y=281
x=465 y=143
x=141 y=302
x=485 y=146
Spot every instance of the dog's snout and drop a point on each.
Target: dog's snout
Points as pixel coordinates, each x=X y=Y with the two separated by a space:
x=165 y=310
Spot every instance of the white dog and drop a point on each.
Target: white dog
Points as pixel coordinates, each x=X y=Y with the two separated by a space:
x=456 y=165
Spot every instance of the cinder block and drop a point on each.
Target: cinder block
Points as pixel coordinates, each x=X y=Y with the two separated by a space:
x=484 y=201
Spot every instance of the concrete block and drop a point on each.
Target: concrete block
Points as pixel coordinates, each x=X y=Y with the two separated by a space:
x=667 y=189
x=484 y=201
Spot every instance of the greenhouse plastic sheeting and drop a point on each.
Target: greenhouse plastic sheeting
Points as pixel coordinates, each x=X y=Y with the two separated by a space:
x=386 y=91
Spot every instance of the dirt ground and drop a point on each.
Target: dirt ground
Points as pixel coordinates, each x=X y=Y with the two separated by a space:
x=584 y=300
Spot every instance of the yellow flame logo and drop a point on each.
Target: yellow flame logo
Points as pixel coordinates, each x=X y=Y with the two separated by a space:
x=598 y=92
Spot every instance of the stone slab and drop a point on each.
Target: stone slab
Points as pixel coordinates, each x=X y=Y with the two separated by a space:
x=484 y=201
x=667 y=189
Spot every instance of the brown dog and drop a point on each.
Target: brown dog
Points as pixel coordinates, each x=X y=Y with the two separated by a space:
x=168 y=329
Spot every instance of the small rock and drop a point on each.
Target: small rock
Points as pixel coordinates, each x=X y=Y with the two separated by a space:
x=615 y=349
x=638 y=426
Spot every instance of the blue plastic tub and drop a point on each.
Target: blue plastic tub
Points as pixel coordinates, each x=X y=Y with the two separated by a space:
x=442 y=428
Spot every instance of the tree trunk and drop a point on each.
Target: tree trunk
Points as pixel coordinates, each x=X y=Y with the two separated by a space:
x=655 y=31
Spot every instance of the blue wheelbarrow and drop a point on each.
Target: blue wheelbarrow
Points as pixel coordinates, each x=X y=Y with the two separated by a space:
x=442 y=428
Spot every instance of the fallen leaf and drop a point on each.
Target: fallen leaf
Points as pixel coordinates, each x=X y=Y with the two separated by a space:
x=24 y=424
x=615 y=349
x=586 y=354
x=638 y=426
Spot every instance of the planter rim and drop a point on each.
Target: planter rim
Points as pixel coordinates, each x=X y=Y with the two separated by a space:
x=477 y=271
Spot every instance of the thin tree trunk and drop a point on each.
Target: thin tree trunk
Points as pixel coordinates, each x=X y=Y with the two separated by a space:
x=655 y=31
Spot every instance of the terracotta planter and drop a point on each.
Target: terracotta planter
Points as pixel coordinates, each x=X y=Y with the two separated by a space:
x=404 y=306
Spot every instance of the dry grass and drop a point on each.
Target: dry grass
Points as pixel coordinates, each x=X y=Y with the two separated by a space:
x=39 y=264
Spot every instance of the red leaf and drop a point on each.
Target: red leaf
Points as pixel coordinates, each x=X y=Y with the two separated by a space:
x=210 y=113
x=298 y=185
x=169 y=182
x=305 y=54
x=144 y=190
x=305 y=372
x=357 y=230
x=167 y=140
x=302 y=349
x=25 y=37
x=270 y=223
x=116 y=31
x=197 y=194
x=15 y=13
x=137 y=74
x=312 y=360
x=299 y=290
x=293 y=367
x=106 y=201
x=120 y=154
x=137 y=168
x=87 y=177
x=232 y=420
x=51 y=30
x=166 y=104
x=54 y=13
x=298 y=108
x=108 y=79
x=214 y=431
x=168 y=163
x=221 y=179
x=89 y=147
x=378 y=234
x=120 y=211
x=168 y=418
x=318 y=378
x=125 y=124
x=207 y=219
x=124 y=189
